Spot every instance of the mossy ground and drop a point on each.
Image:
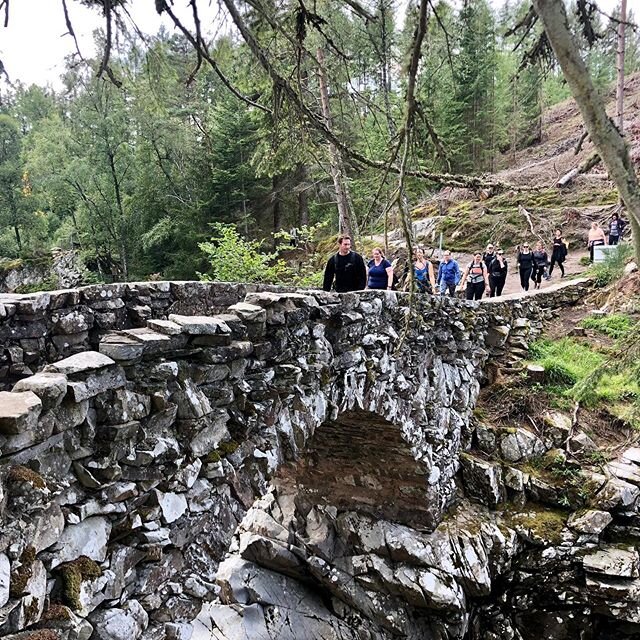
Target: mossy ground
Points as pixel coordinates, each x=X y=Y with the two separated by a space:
x=544 y=523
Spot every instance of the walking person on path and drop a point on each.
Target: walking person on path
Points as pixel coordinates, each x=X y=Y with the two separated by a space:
x=540 y=261
x=379 y=271
x=596 y=238
x=423 y=273
x=476 y=278
x=448 y=274
x=559 y=253
x=489 y=255
x=497 y=274
x=525 y=265
x=345 y=267
x=616 y=227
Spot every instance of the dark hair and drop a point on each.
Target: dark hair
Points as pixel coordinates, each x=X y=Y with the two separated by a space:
x=615 y=214
x=342 y=238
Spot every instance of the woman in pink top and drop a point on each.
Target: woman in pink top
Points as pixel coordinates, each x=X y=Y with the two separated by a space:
x=596 y=238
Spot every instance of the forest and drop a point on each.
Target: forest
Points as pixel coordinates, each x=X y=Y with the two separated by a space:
x=149 y=169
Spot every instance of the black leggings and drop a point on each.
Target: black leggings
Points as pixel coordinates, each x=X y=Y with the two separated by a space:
x=525 y=275
x=553 y=263
x=538 y=272
x=496 y=285
x=475 y=290
x=614 y=239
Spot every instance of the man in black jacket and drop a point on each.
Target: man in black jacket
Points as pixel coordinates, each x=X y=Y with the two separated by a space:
x=346 y=267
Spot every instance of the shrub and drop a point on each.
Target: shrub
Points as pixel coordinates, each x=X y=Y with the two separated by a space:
x=235 y=259
x=612 y=268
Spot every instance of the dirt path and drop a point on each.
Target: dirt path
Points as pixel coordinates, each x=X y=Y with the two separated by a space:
x=572 y=267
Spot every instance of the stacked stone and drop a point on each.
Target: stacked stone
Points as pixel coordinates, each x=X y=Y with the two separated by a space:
x=125 y=471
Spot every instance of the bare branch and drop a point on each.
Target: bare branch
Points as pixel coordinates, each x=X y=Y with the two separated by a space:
x=162 y=5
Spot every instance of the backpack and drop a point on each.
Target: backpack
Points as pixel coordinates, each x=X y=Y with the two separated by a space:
x=476 y=277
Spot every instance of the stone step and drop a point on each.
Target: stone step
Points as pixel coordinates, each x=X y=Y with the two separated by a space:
x=628 y=472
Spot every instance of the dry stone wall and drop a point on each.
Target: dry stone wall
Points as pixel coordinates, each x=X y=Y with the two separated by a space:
x=127 y=465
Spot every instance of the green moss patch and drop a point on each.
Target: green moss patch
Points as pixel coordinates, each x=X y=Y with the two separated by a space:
x=22 y=574
x=544 y=524
x=615 y=325
x=73 y=575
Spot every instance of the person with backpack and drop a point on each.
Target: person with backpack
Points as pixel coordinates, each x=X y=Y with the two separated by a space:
x=423 y=272
x=489 y=255
x=345 y=270
x=525 y=264
x=476 y=278
x=616 y=227
x=497 y=274
x=540 y=261
x=448 y=274
x=559 y=253
x=379 y=271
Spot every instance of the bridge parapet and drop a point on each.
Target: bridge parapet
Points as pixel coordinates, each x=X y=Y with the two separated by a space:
x=143 y=455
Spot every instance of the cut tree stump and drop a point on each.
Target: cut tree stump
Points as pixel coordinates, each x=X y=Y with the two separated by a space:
x=535 y=373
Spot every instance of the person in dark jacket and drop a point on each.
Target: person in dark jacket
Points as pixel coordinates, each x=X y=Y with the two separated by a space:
x=345 y=267
x=559 y=253
x=497 y=274
x=489 y=255
x=616 y=227
x=525 y=265
x=540 y=261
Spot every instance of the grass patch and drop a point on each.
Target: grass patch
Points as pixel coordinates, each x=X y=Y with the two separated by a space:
x=615 y=325
x=569 y=367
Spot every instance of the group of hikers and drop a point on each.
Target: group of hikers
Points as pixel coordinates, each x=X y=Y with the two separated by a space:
x=485 y=274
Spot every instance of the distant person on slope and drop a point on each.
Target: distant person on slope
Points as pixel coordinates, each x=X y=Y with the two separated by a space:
x=345 y=267
x=616 y=228
x=448 y=274
x=379 y=271
x=596 y=238
x=559 y=253
x=497 y=274
x=423 y=273
x=540 y=261
x=525 y=265
x=476 y=277
x=489 y=255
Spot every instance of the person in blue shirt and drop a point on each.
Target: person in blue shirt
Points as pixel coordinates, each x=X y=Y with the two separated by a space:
x=379 y=271
x=448 y=274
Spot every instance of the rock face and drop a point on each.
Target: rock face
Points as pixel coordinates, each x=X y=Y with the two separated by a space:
x=125 y=469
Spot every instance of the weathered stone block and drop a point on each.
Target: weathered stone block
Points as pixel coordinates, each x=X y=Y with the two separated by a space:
x=19 y=411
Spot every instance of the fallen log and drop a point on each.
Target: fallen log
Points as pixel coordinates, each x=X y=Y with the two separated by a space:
x=583 y=167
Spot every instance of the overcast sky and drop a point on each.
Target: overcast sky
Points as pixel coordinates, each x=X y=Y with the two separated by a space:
x=34 y=44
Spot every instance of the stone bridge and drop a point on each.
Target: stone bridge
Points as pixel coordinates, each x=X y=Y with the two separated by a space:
x=144 y=420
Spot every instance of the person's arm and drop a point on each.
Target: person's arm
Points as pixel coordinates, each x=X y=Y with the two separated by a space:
x=439 y=276
x=432 y=279
x=464 y=277
x=389 y=271
x=361 y=274
x=329 y=273
x=603 y=236
x=485 y=273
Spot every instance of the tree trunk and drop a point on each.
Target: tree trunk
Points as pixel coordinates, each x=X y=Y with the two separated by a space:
x=303 y=195
x=604 y=135
x=346 y=221
x=620 y=66
x=277 y=205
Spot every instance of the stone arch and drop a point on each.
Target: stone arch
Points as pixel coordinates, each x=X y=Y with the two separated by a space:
x=360 y=461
